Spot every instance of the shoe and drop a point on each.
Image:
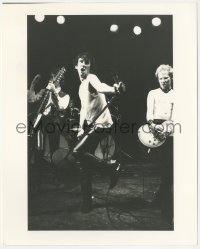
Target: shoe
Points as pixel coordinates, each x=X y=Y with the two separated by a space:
x=114 y=177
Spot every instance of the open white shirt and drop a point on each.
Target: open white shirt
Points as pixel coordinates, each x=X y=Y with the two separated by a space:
x=93 y=103
x=160 y=105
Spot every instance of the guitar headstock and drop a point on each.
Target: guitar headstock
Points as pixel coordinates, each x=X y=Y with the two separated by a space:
x=59 y=75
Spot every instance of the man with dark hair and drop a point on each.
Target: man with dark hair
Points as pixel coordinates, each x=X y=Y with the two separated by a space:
x=92 y=95
x=160 y=104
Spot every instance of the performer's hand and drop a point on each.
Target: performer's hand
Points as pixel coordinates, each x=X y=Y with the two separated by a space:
x=51 y=87
x=159 y=128
x=168 y=127
x=116 y=87
x=120 y=88
x=80 y=133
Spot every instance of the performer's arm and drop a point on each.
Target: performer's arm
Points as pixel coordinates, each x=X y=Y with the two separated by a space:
x=172 y=112
x=32 y=96
x=169 y=124
x=82 y=117
x=99 y=86
x=150 y=108
x=81 y=121
x=61 y=102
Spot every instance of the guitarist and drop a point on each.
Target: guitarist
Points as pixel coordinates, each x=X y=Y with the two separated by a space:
x=159 y=116
x=52 y=113
x=92 y=96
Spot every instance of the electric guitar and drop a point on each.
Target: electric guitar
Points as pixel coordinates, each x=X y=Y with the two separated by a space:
x=152 y=138
x=42 y=106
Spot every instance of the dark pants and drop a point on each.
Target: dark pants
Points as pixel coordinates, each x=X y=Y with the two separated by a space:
x=50 y=129
x=84 y=152
x=164 y=157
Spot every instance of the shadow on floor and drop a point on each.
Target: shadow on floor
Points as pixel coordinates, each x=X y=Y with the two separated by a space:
x=127 y=207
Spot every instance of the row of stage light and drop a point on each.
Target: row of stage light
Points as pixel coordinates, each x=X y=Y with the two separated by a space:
x=137 y=30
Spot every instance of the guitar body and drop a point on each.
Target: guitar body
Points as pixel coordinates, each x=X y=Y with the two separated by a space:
x=148 y=138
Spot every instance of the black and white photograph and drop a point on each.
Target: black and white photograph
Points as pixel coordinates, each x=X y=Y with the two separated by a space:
x=102 y=123
x=100 y=108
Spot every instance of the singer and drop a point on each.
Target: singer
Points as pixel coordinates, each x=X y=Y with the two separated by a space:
x=92 y=96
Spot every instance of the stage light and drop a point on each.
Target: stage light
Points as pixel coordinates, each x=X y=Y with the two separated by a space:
x=137 y=30
x=114 y=28
x=39 y=18
x=156 y=21
x=60 y=19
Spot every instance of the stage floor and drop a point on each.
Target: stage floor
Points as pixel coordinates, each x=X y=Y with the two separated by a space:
x=126 y=207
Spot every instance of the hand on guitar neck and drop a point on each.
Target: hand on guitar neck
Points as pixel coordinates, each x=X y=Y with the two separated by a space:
x=162 y=130
x=51 y=87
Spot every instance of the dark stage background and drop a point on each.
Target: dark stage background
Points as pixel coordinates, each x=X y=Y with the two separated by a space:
x=134 y=58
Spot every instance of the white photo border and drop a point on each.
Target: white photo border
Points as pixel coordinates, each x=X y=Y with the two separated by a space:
x=14 y=69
